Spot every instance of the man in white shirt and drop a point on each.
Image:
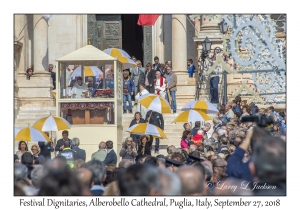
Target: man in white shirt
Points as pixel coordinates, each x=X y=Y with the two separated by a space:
x=229 y=113
x=78 y=88
x=160 y=85
x=139 y=107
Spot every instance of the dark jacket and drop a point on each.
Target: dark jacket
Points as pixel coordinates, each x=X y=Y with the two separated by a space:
x=97 y=190
x=156 y=119
x=237 y=168
x=151 y=77
x=70 y=155
x=136 y=137
x=80 y=152
x=147 y=148
x=53 y=76
x=60 y=143
x=111 y=158
x=157 y=67
x=46 y=149
x=237 y=109
x=194 y=131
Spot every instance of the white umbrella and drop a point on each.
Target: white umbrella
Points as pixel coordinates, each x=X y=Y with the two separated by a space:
x=147 y=129
x=88 y=71
x=30 y=134
x=200 y=105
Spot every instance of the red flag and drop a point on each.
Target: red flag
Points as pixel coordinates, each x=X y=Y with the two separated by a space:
x=147 y=20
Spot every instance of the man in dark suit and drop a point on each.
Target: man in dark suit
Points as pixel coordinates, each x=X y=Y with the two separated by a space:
x=60 y=143
x=53 y=75
x=156 y=119
x=156 y=64
x=111 y=157
x=149 y=78
x=80 y=152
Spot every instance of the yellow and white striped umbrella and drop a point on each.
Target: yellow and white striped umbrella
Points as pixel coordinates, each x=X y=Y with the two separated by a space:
x=30 y=134
x=116 y=52
x=192 y=116
x=147 y=129
x=51 y=124
x=200 y=105
x=88 y=71
x=155 y=103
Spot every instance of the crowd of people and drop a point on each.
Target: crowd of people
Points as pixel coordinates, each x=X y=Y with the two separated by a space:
x=240 y=157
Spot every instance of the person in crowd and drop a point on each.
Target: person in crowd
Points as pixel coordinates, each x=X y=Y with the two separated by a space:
x=52 y=75
x=85 y=176
x=16 y=159
x=60 y=143
x=22 y=148
x=146 y=184
x=160 y=85
x=217 y=124
x=192 y=181
x=172 y=165
x=245 y=111
x=171 y=149
x=219 y=170
x=191 y=67
x=156 y=64
x=243 y=103
x=20 y=171
x=236 y=108
x=75 y=146
x=229 y=113
x=36 y=176
x=271 y=152
x=128 y=90
x=224 y=142
x=170 y=183
x=186 y=138
x=70 y=154
x=144 y=147
x=172 y=87
x=27 y=159
x=156 y=119
x=187 y=126
x=125 y=163
x=46 y=148
x=197 y=139
x=92 y=87
x=149 y=78
x=214 y=89
x=79 y=87
x=194 y=131
x=137 y=119
x=138 y=75
x=35 y=150
x=101 y=153
x=111 y=157
x=98 y=170
x=78 y=163
x=162 y=70
x=59 y=180
x=139 y=107
x=128 y=150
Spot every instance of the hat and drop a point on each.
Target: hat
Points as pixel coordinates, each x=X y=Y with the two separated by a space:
x=192 y=159
x=172 y=163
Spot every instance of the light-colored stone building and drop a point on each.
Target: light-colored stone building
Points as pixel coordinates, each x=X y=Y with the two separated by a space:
x=40 y=40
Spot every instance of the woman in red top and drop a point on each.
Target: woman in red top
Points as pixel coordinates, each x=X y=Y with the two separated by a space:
x=186 y=138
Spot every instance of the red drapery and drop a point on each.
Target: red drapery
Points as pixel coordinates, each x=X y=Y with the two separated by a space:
x=147 y=20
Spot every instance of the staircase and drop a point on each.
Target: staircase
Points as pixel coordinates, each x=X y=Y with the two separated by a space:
x=27 y=115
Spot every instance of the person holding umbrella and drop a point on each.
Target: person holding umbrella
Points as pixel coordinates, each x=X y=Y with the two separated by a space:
x=156 y=119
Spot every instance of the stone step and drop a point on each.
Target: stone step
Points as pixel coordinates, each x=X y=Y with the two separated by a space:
x=37 y=113
x=31 y=108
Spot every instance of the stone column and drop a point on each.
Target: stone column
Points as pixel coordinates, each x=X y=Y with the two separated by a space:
x=36 y=91
x=179 y=46
x=159 y=39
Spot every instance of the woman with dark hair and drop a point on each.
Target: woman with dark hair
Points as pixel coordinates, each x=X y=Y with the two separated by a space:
x=22 y=148
x=144 y=147
x=137 y=119
x=186 y=138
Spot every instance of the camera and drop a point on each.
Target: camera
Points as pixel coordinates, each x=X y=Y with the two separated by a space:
x=261 y=120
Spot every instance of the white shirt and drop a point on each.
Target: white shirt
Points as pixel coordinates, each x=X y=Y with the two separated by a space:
x=162 y=88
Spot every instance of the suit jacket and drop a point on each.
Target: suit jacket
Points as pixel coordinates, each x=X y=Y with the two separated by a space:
x=157 y=67
x=156 y=119
x=150 y=77
x=80 y=152
x=173 y=84
x=60 y=143
x=111 y=158
x=191 y=68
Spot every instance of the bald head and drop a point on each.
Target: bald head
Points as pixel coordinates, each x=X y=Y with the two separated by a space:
x=102 y=145
x=85 y=176
x=192 y=180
